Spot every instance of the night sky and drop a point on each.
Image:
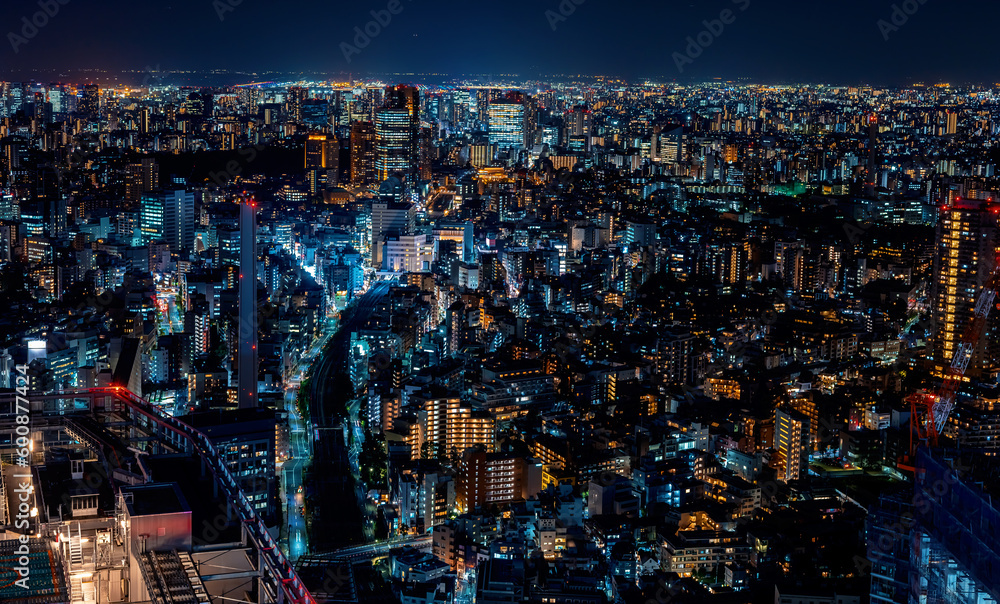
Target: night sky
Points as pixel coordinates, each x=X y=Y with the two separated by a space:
x=825 y=41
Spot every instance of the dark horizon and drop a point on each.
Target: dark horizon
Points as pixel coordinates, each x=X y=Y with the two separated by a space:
x=222 y=79
x=766 y=41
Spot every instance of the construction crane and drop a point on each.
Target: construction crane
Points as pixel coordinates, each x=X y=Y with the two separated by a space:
x=929 y=411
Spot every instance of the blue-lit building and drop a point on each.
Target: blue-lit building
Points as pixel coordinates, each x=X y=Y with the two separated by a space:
x=942 y=543
x=397 y=126
x=507 y=120
x=169 y=217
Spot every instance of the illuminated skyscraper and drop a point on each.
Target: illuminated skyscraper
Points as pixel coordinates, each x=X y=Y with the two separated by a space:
x=363 y=154
x=296 y=96
x=389 y=219
x=9 y=209
x=791 y=443
x=141 y=178
x=322 y=159
x=322 y=152
x=507 y=119
x=967 y=243
x=872 y=173
x=668 y=144
x=394 y=142
x=426 y=155
x=579 y=122
x=247 y=393
x=397 y=129
x=168 y=217
x=151 y=219
x=90 y=102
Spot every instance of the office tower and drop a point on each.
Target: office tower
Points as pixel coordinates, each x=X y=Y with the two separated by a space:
x=484 y=98
x=14 y=97
x=141 y=178
x=530 y=117
x=151 y=218
x=404 y=97
x=426 y=155
x=322 y=161
x=579 y=123
x=668 y=144
x=42 y=110
x=948 y=122
x=393 y=144
x=322 y=152
x=363 y=155
x=9 y=209
x=178 y=224
x=90 y=102
x=168 y=217
x=482 y=155
x=791 y=443
x=507 y=124
x=397 y=130
x=964 y=260
x=247 y=392
x=293 y=106
x=389 y=219
x=228 y=249
x=872 y=150
x=408 y=253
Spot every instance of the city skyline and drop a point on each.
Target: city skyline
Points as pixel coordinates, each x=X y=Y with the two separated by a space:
x=384 y=336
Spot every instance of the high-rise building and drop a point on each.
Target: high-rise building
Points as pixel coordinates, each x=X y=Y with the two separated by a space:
x=950 y=122
x=247 y=392
x=293 y=106
x=507 y=121
x=322 y=160
x=791 y=442
x=363 y=154
x=408 y=253
x=90 y=102
x=496 y=479
x=426 y=155
x=872 y=173
x=394 y=144
x=151 y=218
x=322 y=152
x=668 y=144
x=579 y=123
x=141 y=178
x=397 y=133
x=966 y=254
x=178 y=226
x=389 y=219
x=9 y=209
x=450 y=427
x=889 y=548
x=168 y=217
x=404 y=97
